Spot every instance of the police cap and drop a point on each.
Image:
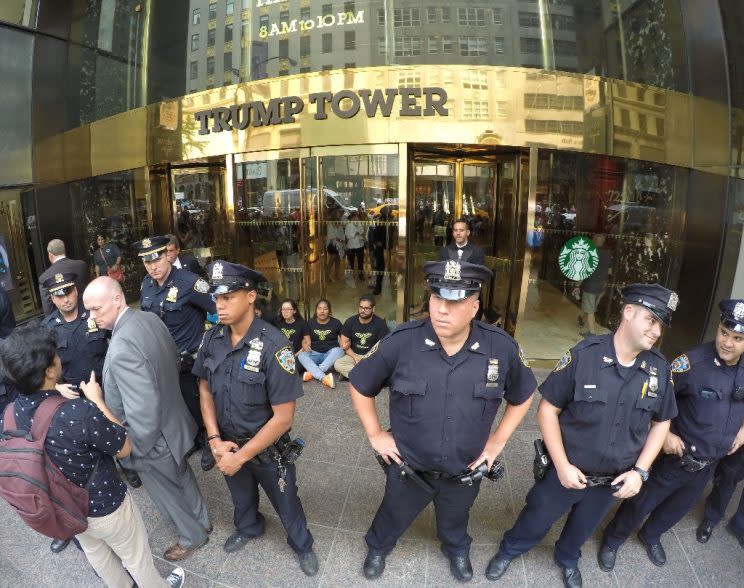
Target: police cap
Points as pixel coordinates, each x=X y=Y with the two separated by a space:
x=455 y=280
x=227 y=277
x=151 y=248
x=654 y=297
x=58 y=283
x=732 y=314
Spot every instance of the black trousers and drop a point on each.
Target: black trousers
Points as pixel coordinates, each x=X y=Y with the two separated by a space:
x=358 y=254
x=190 y=392
x=547 y=501
x=402 y=503
x=665 y=498
x=729 y=473
x=377 y=263
x=249 y=522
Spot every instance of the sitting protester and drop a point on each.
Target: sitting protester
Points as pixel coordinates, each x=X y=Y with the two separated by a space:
x=293 y=326
x=319 y=356
x=83 y=439
x=359 y=334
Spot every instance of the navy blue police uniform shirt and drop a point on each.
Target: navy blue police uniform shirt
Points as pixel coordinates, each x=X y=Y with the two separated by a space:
x=182 y=303
x=607 y=409
x=709 y=418
x=78 y=434
x=442 y=407
x=81 y=345
x=324 y=337
x=364 y=336
x=295 y=332
x=246 y=380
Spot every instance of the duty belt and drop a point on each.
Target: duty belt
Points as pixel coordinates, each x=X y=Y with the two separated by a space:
x=690 y=463
x=271 y=453
x=593 y=480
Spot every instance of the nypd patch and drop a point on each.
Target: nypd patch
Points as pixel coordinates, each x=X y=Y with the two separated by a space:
x=201 y=286
x=286 y=359
x=564 y=361
x=681 y=364
x=372 y=351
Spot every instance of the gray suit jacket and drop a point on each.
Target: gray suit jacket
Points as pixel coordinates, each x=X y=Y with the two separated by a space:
x=140 y=379
x=63 y=266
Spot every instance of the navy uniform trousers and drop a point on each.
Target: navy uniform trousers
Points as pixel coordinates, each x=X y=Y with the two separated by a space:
x=729 y=473
x=547 y=501
x=404 y=500
x=668 y=495
x=249 y=522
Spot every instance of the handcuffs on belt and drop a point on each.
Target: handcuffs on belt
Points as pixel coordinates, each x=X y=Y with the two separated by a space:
x=285 y=451
x=690 y=463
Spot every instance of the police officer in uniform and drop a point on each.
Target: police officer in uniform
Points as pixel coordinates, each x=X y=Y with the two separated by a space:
x=604 y=416
x=707 y=428
x=181 y=299
x=730 y=470
x=447 y=377
x=249 y=386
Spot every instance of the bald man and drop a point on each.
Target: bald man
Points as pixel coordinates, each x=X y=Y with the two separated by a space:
x=140 y=377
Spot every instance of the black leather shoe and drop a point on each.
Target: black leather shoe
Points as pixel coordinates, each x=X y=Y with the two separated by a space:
x=739 y=537
x=59 y=545
x=704 y=531
x=207 y=459
x=131 y=477
x=606 y=558
x=460 y=566
x=236 y=542
x=497 y=566
x=572 y=578
x=308 y=563
x=655 y=552
x=374 y=565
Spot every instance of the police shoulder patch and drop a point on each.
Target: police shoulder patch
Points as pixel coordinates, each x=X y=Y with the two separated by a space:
x=564 y=361
x=681 y=364
x=372 y=351
x=201 y=286
x=286 y=359
x=523 y=359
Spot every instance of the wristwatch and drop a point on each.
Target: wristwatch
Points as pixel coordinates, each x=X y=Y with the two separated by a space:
x=641 y=472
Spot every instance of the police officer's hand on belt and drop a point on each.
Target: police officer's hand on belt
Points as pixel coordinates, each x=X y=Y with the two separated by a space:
x=384 y=444
x=673 y=445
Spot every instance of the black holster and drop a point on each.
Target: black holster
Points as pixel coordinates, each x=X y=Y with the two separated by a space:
x=186 y=362
x=542 y=460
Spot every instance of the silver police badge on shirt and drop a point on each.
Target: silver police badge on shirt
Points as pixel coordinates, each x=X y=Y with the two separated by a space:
x=92 y=326
x=252 y=361
x=492 y=375
x=172 y=294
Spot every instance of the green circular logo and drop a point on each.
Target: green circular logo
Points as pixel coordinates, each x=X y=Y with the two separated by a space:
x=578 y=258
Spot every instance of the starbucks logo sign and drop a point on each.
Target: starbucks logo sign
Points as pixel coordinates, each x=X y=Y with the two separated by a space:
x=578 y=258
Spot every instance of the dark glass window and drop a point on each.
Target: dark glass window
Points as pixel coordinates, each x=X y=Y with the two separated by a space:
x=227 y=62
x=327 y=42
x=228 y=33
x=327 y=9
x=498 y=44
x=211 y=36
x=498 y=16
x=431 y=15
x=349 y=40
x=305 y=13
x=349 y=7
x=305 y=45
x=472 y=46
x=407 y=46
x=380 y=17
x=284 y=16
x=406 y=17
x=194 y=70
x=212 y=10
x=229 y=7
x=210 y=66
x=446 y=14
x=284 y=47
x=196 y=16
x=195 y=42
x=471 y=17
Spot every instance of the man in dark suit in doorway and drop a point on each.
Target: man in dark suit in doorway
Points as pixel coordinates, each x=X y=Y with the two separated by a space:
x=460 y=249
x=182 y=260
x=61 y=264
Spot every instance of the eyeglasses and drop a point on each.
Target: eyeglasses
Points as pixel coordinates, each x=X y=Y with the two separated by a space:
x=365 y=307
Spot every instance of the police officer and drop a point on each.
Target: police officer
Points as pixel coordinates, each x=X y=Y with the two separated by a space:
x=730 y=470
x=248 y=387
x=81 y=347
x=604 y=416
x=447 y=377
x=181 y=299
x=707 y=428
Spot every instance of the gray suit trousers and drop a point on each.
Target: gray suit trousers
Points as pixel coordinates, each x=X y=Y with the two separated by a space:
x=174 y=491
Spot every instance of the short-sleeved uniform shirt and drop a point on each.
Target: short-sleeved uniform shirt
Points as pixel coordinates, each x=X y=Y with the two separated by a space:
x=81 y=345
x=709 y=417
x=364 y=336
x=79 y=435
x=246 y=380
x=182 y=303
x=606 y=409
x=324 y=337
x=442 y=407
x=295 y=332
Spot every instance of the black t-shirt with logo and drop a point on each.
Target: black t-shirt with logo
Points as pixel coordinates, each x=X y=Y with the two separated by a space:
x=324 y=337
x=364 y=336
x=294 y=332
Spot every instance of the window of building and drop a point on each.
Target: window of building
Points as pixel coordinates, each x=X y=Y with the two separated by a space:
x=501 y=109
x=475 y=109
x=284 y=71
x=431 y=15
x=380 y=16
x=196 y=16
x=349 y=7
x=470 y=46
x=212 y=10
x=349 y=40
x=446 y=16
x=227 y=62
x=327 y=9
x=194 y=70
x=211 y=36
x=471 y=17
x=381 y=45
x=284 y=16
x=327 y=43
x=305 y=69
x=529 y=20
x=432 y=45
x=210 y=66
x=350 y=64
x=407 y=46
x=327 y=68
x=305 y=13
x=498 y=44
x=229 y=7
x=475 y=80
x=284 y=47
x=498 y=16
x=304 y=46
x=263 y=20
x=195 y=42
x=529 y=45
x=409 y=79
x=564 y=48
x=406 y=17
x=447 y=45
x=228 y=33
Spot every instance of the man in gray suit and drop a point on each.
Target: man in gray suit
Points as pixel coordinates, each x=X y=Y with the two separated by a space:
x=61 y=264
x=140 y=379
